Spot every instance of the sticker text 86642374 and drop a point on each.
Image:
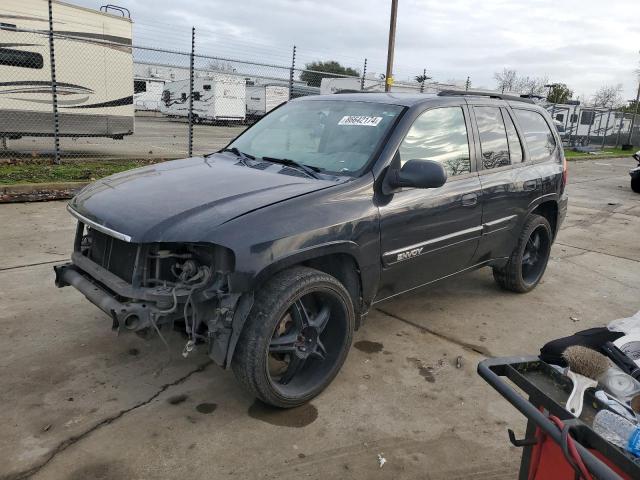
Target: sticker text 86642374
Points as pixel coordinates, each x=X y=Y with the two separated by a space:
x=360 y=120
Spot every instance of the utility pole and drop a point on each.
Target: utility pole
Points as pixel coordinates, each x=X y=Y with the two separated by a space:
x=635 y=112
x=388 y=80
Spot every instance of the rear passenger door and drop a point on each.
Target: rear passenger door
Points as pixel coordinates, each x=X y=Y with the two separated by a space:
x=510 y=181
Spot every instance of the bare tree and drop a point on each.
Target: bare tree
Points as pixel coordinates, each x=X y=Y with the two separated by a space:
x=220 y=66
x=531 y=85
x=506 y=80
x=608 y=96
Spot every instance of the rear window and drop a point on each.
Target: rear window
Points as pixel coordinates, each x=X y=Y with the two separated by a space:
x=537 y=134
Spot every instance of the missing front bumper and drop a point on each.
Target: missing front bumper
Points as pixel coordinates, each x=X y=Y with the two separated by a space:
x=131 y=315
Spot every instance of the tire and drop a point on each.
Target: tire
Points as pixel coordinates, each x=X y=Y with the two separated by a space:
x=527 y=264
x=280 y=360
x=635 y=183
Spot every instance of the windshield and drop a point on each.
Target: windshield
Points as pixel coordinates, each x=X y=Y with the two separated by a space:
x=329 y=135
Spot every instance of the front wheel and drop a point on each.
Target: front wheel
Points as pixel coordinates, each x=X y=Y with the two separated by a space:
x=635 y=183
x=296 y=337
x=528 y=261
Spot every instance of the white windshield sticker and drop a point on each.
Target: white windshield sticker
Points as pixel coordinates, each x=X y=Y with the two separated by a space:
x=360 y=120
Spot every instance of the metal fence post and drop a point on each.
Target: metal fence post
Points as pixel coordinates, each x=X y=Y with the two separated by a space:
x=193 y=44
x=54 y=88
x=364 y=74
x=293 y=65
x=635 y=112
x=606 y=129
x=592 y=118
x=619 y=129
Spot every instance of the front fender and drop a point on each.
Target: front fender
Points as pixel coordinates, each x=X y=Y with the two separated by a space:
x=304 y=255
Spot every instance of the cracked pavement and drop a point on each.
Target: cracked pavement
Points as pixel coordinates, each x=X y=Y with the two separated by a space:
x=80 y=402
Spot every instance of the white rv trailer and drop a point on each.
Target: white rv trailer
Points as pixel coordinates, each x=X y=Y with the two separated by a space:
x=330 y=85
x=147 y=93
x=219 y=97
x=580 y=122
x=261 y=99
x=94 y=71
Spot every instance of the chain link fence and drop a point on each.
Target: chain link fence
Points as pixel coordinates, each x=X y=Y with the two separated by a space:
x=80 y=89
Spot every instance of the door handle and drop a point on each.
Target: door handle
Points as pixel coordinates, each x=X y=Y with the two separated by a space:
x=469 y=200
x=530 y=185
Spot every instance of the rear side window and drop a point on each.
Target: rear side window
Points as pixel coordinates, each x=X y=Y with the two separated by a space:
x=493 y=137
x=537 y=134
x=439 y=135
x=515 y=147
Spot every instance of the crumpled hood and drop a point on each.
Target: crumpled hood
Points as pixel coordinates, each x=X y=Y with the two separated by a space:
x=184 y=200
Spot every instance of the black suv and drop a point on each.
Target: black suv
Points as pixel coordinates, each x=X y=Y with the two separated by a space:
x=270 y=252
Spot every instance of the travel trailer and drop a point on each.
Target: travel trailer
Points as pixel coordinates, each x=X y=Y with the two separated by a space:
x=147 y=93
x=581 y=124
x=261 y=99
x=336 y=85
x=94 y=71
x=219 y=97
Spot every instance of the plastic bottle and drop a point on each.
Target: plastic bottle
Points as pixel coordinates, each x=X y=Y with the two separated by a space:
x=618 y=430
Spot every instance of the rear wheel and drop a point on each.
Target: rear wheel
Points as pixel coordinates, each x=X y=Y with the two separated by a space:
x=296 y=337
x=528 y=261
x=635 y=183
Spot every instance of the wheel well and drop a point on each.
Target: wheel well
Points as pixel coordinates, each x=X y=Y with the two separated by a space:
x=345 y=268
x=549 y=210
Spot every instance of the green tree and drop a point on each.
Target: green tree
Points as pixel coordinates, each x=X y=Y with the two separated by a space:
x=328 y=69
x=559 y=93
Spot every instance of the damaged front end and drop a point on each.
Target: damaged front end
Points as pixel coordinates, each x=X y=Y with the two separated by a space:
x=154 y=286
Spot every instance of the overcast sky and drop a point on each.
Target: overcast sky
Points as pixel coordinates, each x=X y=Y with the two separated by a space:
x=584 y=43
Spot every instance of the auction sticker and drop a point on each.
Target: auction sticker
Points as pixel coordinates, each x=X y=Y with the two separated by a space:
x=360 y=120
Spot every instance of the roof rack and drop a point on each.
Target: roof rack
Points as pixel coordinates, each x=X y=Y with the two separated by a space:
x=478 y=93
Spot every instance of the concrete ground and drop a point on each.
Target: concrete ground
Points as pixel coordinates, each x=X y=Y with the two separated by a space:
x=79 y=403
x=155 y=136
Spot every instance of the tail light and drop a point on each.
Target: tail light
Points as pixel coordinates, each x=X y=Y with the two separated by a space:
x=565 y=173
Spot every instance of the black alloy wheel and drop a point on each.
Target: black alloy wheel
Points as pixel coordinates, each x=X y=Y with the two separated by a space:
x=296 y=338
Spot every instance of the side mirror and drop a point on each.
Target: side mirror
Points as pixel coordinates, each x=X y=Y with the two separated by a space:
x=417 y=174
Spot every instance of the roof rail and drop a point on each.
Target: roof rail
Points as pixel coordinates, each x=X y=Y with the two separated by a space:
x=478 y=93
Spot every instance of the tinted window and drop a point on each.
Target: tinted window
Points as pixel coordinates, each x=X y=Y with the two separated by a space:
x=515 y=147
x=493 y=137
x=196 y=96
x=139 y=86
x=440 y=135
x=18 y=58
x=587 y=117
x=537 y=134
x=560 y=117
x=206 y=87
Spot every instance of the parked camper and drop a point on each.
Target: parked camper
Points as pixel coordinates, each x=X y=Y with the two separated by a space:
x=89 y=47
x=261 y=99
x=147 y=93
x=220 y=97
x=336 y=85
x=583 y=124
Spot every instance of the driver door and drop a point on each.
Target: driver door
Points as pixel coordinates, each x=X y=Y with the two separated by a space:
x=428 y=234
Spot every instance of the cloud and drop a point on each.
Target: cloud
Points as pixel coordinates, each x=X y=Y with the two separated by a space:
x=584 y=43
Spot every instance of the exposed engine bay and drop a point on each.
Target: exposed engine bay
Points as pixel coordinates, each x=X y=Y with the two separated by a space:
x=149 y=287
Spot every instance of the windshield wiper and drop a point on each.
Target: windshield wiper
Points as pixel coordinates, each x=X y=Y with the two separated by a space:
x=308 y=169
x=243 y=156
